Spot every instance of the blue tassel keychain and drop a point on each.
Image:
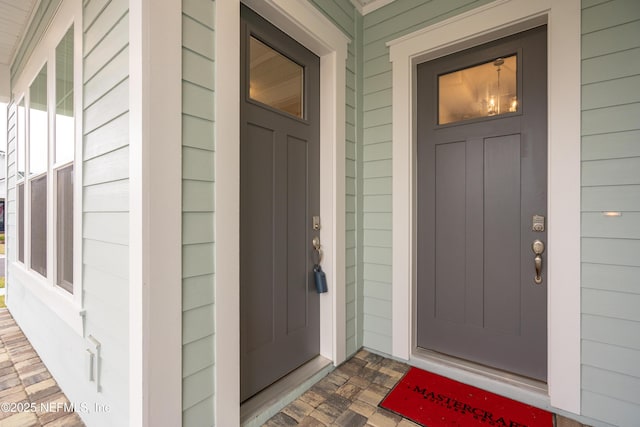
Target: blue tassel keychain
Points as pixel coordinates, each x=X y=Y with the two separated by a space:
x=320 y=278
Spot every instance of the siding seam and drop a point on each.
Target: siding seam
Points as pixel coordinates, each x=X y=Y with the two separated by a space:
x=608 y=28
x=613 y=52
x=191 y=18
x=608 y=345
x=98 y=14
x=99 y=41
x=106 y=63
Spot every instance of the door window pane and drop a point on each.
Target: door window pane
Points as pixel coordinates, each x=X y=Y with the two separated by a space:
x=64 y=99
x=483 y=90
x=274 y=79
x=38 y=124
x=64 y=207
x=39 y=225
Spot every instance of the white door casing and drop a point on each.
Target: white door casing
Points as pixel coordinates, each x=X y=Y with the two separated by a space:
x=489 y=22
x=303 y=22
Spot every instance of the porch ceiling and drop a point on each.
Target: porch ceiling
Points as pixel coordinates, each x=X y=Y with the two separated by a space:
x=14 y=17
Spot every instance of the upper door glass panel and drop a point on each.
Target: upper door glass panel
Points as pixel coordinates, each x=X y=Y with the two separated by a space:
x=274 y=79
x=483 y=90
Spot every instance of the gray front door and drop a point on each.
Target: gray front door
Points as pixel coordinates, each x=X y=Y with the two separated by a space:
x=279 y=195
x=481 y=179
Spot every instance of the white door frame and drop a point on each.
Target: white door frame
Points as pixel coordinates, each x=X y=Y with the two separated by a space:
x=492 y=21
x=303 y=22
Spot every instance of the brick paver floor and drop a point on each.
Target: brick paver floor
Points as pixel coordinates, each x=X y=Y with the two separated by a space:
x=25 y=383
x=349 y=397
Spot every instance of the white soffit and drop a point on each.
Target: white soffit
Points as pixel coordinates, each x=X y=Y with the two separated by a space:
x=14 y=18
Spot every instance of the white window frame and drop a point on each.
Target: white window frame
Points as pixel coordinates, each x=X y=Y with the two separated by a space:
x=67 y=306
x=28 y=179
x=54 y=166
x=20 y=207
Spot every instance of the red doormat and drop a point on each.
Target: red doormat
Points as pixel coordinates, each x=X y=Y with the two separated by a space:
x=435 y=401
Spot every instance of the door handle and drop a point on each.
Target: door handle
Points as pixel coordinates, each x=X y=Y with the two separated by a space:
x=538 y=249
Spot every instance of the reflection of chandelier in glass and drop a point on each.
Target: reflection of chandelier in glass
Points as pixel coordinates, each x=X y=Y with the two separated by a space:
x=475 y=92
x=493 y=106
x=513 y=107
x=495 y=100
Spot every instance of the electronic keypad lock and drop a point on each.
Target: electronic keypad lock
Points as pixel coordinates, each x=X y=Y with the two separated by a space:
x=537 y=223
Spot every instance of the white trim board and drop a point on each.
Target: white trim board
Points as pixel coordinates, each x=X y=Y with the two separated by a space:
x=302 y=21
x=477 y=26
x=155 y=213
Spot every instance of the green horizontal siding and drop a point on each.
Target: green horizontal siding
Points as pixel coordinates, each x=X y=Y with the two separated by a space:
x=106 y=184
x=110 y=45
x=198 y=162
x=612 y=145
x=611 y=182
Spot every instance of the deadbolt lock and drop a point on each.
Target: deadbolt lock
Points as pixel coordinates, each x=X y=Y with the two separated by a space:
x=315 y=222
x=538 y=247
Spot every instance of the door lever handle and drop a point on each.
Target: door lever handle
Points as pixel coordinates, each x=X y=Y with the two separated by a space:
x=538 y=249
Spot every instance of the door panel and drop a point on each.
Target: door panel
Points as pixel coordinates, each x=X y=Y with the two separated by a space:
x=279 y=194
x=450 y=235
x=502 y=227
x=257 y=234
x=297 y=215
x=479 y=183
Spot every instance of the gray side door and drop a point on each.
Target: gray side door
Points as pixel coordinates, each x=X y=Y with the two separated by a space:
x=279 y=195
x=480 y=182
